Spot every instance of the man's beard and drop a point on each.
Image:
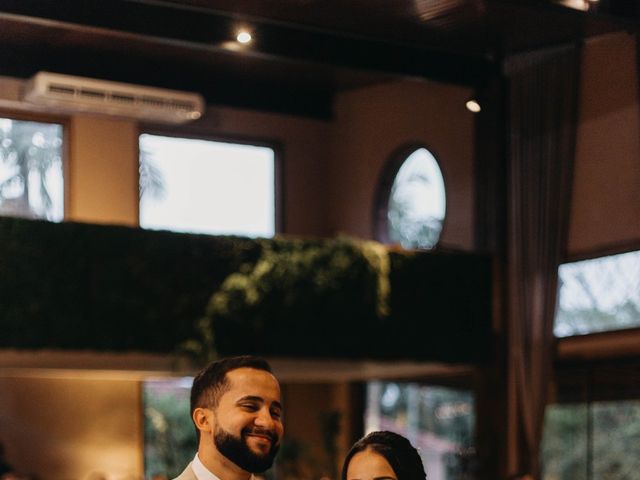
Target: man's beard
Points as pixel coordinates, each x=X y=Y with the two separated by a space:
x=237 y=450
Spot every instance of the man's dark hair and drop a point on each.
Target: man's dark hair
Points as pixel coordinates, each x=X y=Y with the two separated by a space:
x=212 y=382
x=396 y=450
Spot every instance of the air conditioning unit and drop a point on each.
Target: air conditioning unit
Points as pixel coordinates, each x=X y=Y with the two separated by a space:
x=88 y=95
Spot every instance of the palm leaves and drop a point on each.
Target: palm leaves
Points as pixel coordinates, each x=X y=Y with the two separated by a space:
x=30 y=163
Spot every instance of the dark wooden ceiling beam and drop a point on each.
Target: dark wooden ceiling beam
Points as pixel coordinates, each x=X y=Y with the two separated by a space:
x=611 y=13
x=212 y=30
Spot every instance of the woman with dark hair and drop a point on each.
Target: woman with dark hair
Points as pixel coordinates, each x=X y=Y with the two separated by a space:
x=383 y=456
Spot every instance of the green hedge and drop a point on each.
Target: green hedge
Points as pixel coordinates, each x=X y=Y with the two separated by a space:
x=80 y=286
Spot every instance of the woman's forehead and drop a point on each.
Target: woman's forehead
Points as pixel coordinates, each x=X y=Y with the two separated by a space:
x=368 y=465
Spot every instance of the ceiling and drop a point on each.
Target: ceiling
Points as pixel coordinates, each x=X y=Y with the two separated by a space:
x=304 y=51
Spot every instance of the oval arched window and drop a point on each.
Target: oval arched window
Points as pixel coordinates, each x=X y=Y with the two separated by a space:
x=413 y=203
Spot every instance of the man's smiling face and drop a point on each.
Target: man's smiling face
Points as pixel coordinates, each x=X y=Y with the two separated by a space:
x=248 y=419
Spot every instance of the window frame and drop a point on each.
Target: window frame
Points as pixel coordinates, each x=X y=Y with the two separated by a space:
x=609 y=344
x=382 y=194
x=583 y=358
x=604 y=251
x=207 y=135
x=473 y=378
x=65 y=122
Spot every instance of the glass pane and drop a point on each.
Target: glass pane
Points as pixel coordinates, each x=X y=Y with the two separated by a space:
x=31 y=177
x=439 y=422
x=616 y=440
x=564 y=443
x=605 y=446
x=417 y=202
x=169 y=435
x=206 y=187
x=598 y=295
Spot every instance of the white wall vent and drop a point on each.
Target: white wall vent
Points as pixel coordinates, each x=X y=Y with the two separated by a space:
x=87 y=95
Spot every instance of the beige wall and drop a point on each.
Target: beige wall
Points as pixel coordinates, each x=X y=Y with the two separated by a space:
x=329 y=170
x=374 y=122
x=304 y=406
x=62 y=428
x=102 y=179
x=606 y=193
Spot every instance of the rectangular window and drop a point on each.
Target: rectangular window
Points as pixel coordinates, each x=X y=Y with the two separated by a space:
x=204 y=186
x=169 y=435
x=31 y=169
x=439 y=422
x=589 y=441
x=598 y=295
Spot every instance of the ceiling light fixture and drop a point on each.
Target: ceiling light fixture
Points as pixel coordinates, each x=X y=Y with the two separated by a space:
x=582 y=5
x=244 y=37
x=473 y=106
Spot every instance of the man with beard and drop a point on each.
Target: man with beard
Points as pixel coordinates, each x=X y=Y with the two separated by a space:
x=237 y=411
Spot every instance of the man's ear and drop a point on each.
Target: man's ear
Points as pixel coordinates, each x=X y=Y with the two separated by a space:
x=203 y=418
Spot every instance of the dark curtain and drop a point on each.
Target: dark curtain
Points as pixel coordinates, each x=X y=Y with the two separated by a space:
x=542 y=116
x=638 y=64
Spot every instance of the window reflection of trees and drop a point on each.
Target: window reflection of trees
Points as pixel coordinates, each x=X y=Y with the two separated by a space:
x=416 y=205
x=439 y=421
x=31 y=175
x=151 y=181
x=586 y=441
x=599 y=294
x=169 y=436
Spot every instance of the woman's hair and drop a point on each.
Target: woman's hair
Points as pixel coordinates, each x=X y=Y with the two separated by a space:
x=397 y=450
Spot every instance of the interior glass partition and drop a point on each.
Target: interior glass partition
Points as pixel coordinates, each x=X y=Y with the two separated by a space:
x=439 y=421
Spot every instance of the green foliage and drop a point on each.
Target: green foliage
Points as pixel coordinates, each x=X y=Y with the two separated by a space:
x=170 y=438
x=616 y=440
x=296 y=296
x=79 y=286
x=613 y=447
x=564 y=446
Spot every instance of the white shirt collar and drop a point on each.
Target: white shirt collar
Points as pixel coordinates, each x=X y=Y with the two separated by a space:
x=203 y=473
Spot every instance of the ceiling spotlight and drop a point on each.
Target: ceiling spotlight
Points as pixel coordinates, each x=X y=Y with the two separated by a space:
x=244 y=37
x=582 y=5
x=473 y=106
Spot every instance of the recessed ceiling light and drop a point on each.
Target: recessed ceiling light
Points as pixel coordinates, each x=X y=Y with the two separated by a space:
x=575 y=4
x=244 y=37
x=473 y=106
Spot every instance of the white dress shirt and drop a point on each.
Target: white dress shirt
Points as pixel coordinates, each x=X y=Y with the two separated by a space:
x=203 y=473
